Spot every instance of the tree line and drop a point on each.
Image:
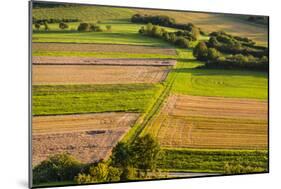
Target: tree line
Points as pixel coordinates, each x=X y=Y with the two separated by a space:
x=162 y=20
x=53 y=20
x=179 y=38
x=82 y=27
x=227 y=51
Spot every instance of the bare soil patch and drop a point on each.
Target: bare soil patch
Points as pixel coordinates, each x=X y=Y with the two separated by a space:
x=50 y=60
x=69 y=47
x=212 y=122
x=89 y=74
x=88 y=137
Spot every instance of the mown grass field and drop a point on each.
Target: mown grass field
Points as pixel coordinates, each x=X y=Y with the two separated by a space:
x=224 y=83
x=74 y=99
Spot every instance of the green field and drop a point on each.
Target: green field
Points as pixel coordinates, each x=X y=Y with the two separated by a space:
x=194 y=160
x=73 y=99
x=122 y=32
x=224 y=83
x=85 y=13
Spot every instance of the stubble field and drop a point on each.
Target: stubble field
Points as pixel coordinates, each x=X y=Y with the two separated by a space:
x=88 y=137
x=211 y=123
x=77 y=74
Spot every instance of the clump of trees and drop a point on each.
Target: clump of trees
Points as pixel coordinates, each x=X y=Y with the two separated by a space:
x=53 y=20
x=87 y=27
x=157 y=20
x=167 y=21
x=227 y=51
x=177 y=38
x=98 y=172
x=136 y=159
x=60 y=167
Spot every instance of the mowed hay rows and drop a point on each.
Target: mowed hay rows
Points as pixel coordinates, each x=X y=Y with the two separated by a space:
x=52 y=60
x=86 y=74
x=211 y=122
x=70 y=47
x=88 y=137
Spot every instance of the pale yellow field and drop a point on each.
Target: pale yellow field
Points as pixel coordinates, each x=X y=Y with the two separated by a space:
x=211 y=122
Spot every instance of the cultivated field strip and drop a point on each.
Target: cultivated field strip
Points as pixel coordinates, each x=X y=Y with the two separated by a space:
x=211 y=122
x=88 y=137
x=77 y=74
x=50 y=60
x=70 y=47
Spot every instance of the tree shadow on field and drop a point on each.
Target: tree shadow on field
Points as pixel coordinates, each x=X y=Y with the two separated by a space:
x=197 y=71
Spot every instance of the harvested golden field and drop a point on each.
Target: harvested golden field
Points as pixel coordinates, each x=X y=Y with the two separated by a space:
x=211 y=122
x=234 y=24
x=88 y=137
x=70 y=47
x=52 y=60
x=90 y=74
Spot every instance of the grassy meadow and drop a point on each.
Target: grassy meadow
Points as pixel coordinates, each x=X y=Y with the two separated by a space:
x=149 y=99
x=74 y=99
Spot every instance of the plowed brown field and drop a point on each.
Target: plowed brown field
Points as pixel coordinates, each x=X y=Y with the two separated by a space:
x=88 y=137
x=89 y=74
x=211 y=122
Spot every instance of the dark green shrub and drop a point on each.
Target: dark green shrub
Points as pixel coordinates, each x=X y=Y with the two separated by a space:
x=46 y=27
x=213 y=54
x=60 y=167
x=172 y=37
x=95 y=28
x=156 y=32
x=84 y=27
x=201 y=51
x=108 y=27
x=182 y=42
x=37 y=26
x=63 y=26
x=128 y=173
